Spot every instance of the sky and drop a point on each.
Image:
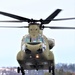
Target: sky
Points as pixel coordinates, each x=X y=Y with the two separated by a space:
x=10 y=39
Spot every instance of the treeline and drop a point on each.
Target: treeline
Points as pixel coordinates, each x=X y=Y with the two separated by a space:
x=61 y=72
x=66 y=67
x=61 y=69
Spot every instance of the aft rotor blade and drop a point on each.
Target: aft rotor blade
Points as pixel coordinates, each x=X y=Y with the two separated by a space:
x=51 y=17
x=59 y=27
x=13 y=26
x=12 y=21
x=62 y=19
x=15 y=16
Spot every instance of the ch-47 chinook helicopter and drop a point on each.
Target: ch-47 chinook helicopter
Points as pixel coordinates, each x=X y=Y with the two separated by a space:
x=36 y=48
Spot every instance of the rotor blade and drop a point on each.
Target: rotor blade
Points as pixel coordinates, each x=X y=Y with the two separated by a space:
x=12 y=21
x=13 y=26
x=50 y=18
x=63 y=19
x=15 y=16
x=59 y=27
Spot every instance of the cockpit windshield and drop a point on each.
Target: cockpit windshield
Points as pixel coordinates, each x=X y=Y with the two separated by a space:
x=38 y=39
x=33 y=41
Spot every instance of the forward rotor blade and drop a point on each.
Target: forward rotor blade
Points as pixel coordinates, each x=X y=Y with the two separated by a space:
x=51 y=17
x=59 y=27
x=12 y=21
x=13 y=26
x=15 y=16
x=62 y=19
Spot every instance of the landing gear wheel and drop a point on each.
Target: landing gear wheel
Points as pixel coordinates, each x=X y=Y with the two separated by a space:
x=49 y=69
x=36 y=69
x=53 y=70
x=18 y=69
x=22 y=71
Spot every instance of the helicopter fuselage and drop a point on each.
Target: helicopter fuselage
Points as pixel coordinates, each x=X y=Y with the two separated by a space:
x=35 y=57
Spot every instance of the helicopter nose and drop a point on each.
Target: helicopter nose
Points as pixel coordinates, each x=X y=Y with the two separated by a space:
x=39 y=51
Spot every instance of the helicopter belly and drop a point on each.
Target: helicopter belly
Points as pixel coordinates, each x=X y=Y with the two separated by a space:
x=31 y=66
x=34 y=61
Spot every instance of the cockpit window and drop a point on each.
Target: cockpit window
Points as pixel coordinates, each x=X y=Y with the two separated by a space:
x=38 y=39
x=27 y=39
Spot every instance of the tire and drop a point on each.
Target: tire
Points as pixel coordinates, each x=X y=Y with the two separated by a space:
x=53 y=70
x=18 y=69
x=22 y=71
x=49 y=69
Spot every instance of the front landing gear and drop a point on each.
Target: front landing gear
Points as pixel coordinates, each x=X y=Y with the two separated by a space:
x=20 y=69
x=52 y=70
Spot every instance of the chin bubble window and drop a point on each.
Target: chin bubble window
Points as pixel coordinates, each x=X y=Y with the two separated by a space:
x=43 y=46
x=23 y=47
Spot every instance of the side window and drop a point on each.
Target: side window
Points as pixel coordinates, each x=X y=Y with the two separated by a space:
x=42 y=39
x=27 y=39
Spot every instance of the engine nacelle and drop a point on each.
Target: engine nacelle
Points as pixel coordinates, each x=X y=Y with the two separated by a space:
x=51 y=43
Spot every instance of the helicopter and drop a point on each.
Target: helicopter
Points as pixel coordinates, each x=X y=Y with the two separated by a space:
x=36 y=48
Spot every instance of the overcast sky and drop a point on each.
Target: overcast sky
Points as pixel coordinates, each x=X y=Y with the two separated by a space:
x=10 y=39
